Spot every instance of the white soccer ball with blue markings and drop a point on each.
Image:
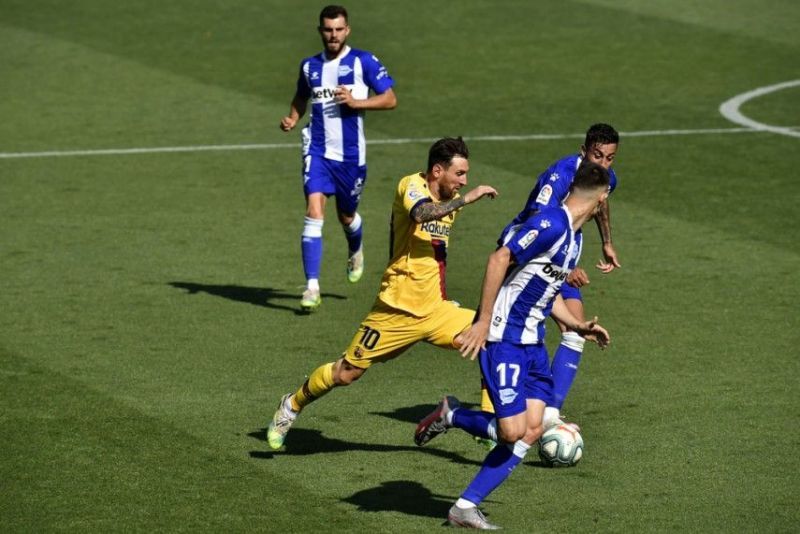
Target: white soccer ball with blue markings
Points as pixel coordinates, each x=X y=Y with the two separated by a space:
x=561 y=446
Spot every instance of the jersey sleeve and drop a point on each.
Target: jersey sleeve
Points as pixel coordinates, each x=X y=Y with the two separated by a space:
x=414 y=193
x=303 y=89
x=551 y=189
x=536 y=236
x=375 y=74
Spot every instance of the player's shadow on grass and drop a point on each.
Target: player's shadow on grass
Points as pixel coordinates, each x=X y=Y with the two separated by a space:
x=258 y=296
x=304 y=441
x=404 y=496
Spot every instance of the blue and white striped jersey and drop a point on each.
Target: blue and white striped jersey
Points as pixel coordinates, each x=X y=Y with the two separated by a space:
x=544 y=251
x=552 y=187
x=335 y=131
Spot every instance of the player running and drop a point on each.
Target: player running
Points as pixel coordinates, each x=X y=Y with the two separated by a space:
x=552 y=187
x=520 y=290
x=412 y=304
x=337 y=82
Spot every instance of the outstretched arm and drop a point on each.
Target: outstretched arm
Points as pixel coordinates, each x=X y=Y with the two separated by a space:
x=589 y=329
x=603 y=220
x=429 y=211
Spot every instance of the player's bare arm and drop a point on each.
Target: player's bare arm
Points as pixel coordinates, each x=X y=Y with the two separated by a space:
x=429 y=211
x=296 y=111
x=385 y=100
x=591 y=330
x=474 y=338
x=603 y=220
x=577 y=277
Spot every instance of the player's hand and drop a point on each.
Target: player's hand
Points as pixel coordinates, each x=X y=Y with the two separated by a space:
x=609 y=261
x=473 y=340
x=480 y=192
x=287 y=123
x=343 y=96
x=594 y=332
x=577 y=277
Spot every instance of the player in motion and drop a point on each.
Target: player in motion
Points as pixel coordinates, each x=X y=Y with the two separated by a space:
x=552 y=187
x=412 y=304
x=520 y=289
x=337 y=82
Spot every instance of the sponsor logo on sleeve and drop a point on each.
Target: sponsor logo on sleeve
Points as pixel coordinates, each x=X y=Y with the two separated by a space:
x=545 y=194
x=545 y=223
x=528 y=238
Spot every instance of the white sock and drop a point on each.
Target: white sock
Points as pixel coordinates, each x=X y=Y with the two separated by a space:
x=551 y=413
x=448 y=419
x=312 y=283
x=464 y=504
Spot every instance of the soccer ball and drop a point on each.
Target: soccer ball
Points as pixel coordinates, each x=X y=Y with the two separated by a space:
x=561 y=446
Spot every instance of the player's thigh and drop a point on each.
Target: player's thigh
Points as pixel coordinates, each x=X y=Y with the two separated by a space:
x=539 y=379
x=349 y=180
x=446 y=322
x=318 y=176
x=504 y=367
x=383 y=334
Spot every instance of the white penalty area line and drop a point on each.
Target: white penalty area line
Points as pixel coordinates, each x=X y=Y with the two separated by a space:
x=399 y=141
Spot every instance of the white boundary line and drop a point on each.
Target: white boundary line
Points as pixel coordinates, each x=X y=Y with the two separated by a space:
x=730 y=109
x=399 y=141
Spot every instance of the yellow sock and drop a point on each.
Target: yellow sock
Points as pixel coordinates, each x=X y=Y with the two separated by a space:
x=486 y=402
x=318 y=384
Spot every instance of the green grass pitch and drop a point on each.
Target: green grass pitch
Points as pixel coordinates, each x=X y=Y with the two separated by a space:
x=148 y=300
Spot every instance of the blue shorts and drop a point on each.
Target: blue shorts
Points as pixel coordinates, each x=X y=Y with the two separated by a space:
x=344 y=179
x=515 y=373
x=569 y=292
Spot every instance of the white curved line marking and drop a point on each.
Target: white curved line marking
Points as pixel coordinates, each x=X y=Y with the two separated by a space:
x=730 y=109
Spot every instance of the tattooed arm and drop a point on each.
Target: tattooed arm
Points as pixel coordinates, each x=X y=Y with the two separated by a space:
x=429 y=211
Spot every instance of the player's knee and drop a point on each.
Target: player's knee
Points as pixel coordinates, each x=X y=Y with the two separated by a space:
x=532 y=434
x=346 y=373
x=509 y=432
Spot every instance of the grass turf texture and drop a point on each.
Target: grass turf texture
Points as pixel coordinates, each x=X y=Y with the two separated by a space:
x=148 y=321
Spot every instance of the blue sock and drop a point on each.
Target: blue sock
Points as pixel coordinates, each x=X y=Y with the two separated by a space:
x=311 y=246
x=481 y=424
x=565 y=366
x=353 y=234
x=497 y=467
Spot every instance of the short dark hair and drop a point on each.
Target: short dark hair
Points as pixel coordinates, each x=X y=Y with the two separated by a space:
x=332 y=12
x=445 y=149
x=590 y=176
x=600 y=134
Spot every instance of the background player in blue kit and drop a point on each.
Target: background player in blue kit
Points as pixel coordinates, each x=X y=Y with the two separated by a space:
x=520 y=289
x=337 y=82
x=552 y=187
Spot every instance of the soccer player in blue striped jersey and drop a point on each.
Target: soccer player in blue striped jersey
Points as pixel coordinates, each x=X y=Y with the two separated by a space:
x=552 y=187
x=520 y=290
x=337 y=83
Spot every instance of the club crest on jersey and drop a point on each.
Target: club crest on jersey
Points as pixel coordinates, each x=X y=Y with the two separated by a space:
x=528 y=238
x=344 y=70
x=507 y=396
x=544 y=195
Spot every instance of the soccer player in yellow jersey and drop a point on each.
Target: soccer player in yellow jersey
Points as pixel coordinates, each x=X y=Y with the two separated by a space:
x=412 y=304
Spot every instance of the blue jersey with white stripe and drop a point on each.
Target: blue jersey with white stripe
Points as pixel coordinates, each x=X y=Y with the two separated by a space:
x=552 y=187
x=544 y=251
x=336 y=131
